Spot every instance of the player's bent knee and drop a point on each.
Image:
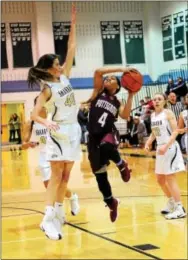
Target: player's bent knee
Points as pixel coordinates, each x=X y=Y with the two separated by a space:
x=101 y=170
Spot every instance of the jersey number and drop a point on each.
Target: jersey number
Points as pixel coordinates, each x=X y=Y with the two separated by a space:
x=43 y=140
x=102 y=119
x=70 y=100
x=156 y=131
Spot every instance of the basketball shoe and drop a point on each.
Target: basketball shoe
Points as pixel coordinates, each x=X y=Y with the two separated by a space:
x=47 y=225
x=75 y=207
x=124 y=171
x=179 y=212
x=169 y=206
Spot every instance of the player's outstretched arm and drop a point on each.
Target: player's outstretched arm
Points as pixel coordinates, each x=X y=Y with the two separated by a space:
x=71 y=44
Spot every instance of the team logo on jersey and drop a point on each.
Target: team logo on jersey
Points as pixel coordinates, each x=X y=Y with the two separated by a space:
x=65 y=91
x=106 y=105
x=41 y=131
x=156 y=123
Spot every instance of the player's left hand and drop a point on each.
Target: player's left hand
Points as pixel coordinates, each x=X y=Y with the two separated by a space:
x=183 y=130
x=163 y=149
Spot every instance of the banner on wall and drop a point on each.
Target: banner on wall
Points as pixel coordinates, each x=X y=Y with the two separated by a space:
x=21 y=45
x=61 y=32
x=134 y=42
x=4 y=61
x=110 y=33
x=167 y=38
x=179 y=39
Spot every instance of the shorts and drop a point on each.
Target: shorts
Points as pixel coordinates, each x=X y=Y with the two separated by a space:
x=44 y=167
x=97 y=156
x=64 y=144
x=186 y=143
x=171 y=162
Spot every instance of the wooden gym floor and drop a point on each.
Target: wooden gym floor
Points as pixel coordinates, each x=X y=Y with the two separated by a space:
x=140 y=232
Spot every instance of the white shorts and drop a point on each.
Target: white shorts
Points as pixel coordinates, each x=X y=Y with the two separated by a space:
x=186 y=143
x=44 y=167
x=64 y=144
x=171 y=162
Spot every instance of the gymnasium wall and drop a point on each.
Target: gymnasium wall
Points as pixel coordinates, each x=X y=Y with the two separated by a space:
x=89 y=53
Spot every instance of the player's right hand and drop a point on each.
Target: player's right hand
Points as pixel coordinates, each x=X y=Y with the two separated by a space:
x=51 y=125
x=146 y=148
x=33 y=144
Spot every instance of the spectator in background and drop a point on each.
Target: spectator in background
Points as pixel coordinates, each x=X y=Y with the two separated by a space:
x=180 y=89
x=138 y=132
x=174 y=105
x=17 y=127
x=170 y=87
x=11 y=129
x=149 y=103
x=146 y=117
x=83 y=120
x=177 y=108
x=141 y=109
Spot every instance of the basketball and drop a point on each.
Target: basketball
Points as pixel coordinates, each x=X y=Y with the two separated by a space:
x=132 y=81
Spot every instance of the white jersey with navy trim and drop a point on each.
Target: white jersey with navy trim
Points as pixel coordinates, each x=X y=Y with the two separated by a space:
x=64 y=143
x=185 y=117
x=62 y=104
x=160 y=127
x=172 y=161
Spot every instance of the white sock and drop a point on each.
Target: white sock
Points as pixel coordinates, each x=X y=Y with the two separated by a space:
x=72 y=196
x=171 y=199
x=49 y=213
x=59 y=209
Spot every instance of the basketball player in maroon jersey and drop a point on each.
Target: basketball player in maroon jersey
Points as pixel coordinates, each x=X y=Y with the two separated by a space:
x=103 y=143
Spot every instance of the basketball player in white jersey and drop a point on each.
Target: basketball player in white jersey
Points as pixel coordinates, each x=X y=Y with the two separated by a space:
x=35 y=134
x=63 y=140
x=183 y=123
x=169 y=159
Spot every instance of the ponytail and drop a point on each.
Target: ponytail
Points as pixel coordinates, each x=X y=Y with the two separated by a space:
x=35 y=76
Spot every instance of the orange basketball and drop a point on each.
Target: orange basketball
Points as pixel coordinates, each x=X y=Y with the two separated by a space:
x=132 y=81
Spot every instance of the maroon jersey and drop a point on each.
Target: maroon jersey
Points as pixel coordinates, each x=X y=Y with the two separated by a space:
x=102 y=115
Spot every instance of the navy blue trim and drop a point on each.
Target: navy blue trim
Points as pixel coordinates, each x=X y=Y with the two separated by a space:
x=168 y=131
x=54 y=112
x=174 y=157
x=57 y=144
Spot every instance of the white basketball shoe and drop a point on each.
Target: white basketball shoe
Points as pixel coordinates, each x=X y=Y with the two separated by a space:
x=169 y=206
x=179 y=212
x=47 y=225
x=74 y=203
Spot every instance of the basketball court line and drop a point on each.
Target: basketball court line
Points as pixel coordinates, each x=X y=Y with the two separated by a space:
x=128 y=196
x=94 y=234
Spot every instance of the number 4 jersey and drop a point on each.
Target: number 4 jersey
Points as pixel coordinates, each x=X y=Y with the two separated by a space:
x=102 y=115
